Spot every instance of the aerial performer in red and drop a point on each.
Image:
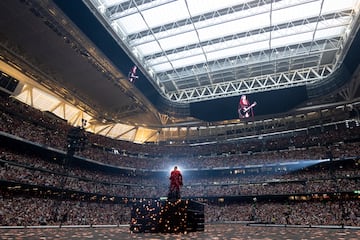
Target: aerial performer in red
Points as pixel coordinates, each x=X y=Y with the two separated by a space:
x=245 y=109
x=132 y=74
x=176 y=181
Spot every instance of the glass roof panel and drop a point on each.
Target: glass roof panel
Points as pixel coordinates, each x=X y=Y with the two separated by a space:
x=329 y=33
x=304 y=37
x=197 y=7
x=171 y=12
x=132 y=23
x=179 y=40
x=182 y=62
x=236 y=26
x=149 y=48
x=296 y=12
x=108 y=3
x=162 y=67
x=333 y=6
x=239 y=50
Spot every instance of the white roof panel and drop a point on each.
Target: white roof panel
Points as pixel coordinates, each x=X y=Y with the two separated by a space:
x=179 y=40
x=198 y=8
x=132 y=23
x=149 y=48
x=165 y=14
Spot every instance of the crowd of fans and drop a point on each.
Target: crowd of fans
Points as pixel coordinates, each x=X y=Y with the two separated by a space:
x=337 y=142
x=290 y=213
x=224 y=160
x=23 y=121
x=27 y=169
x=23 y=211
x=33 y=125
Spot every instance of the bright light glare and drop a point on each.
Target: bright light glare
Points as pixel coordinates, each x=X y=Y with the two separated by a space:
x=172 y=168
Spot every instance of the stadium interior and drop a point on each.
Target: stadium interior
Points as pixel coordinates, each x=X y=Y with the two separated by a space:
x=80 y=143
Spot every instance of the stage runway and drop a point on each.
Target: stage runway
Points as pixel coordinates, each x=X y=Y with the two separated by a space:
x=212 y=231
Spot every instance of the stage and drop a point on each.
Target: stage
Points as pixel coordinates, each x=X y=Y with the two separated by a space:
x=164 y=216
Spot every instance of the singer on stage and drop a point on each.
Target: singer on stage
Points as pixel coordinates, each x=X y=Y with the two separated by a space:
x=176 y=181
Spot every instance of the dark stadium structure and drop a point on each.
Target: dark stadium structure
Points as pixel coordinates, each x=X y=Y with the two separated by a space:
x=82 y=146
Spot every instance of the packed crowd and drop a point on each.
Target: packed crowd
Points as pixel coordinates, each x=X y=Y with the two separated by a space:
x=31 y=169
x=24 y=211
x=290 y=213
x=22 y=121
x=224 y=160
x=26 y=122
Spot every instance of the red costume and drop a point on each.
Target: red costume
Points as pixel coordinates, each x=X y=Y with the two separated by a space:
x=176 y=181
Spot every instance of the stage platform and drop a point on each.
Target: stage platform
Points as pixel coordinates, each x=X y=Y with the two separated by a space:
x=164 y=216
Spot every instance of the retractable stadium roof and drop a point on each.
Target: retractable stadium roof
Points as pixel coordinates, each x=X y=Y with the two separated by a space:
x=195 y=50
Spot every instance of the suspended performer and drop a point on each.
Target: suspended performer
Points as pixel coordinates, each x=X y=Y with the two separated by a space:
x=132 y=74
x=245 y=109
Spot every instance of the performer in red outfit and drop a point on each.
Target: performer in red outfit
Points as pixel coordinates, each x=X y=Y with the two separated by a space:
x=176 y=181
x=244 y=108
